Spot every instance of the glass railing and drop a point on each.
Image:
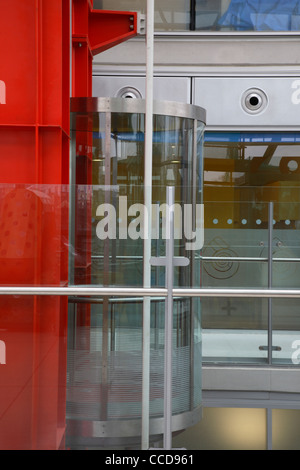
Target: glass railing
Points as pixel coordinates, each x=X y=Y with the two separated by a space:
x=101 y=373
x=237 y=255
x=224 y=307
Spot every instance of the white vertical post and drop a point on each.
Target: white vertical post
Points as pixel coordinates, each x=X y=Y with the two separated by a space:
x=169 y=261
x=169 y=321
x=148 y=222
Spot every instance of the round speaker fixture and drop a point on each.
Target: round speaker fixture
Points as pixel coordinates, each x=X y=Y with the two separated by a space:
x=128 y=92
x=254 y=101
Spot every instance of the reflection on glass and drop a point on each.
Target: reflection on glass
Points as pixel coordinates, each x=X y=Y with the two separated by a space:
x=243 y=173
x=226 y=429
x=216 y=15
x=170 y=15
x=30 y=213
x=285 y=429
x=255 y=15
x=33 y=372
x=105 y=361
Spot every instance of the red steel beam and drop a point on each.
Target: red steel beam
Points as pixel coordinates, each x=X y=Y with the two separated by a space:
x=95 y=31
x=34 y=169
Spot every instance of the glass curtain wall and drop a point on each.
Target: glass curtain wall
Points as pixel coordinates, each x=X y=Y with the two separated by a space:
x=215 y=15
x=243 y=174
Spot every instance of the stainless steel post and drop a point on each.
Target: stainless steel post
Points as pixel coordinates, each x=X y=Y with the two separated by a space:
x=169 y=261
x=147 y=241
x=169 y=321
x=270 y=280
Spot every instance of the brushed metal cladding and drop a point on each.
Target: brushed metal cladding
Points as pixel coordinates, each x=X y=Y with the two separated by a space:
x=123 y=105
x=132 y=428
x=164 y=88
x=227 y=100
x=256 y=379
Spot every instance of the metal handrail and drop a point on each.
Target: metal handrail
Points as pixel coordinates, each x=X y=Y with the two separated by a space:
x=151 y=292
x=217 y=258
x=245 y=258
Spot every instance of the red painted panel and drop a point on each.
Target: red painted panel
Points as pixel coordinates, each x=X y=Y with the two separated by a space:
x=34 y=168
x=109 y=28
x=17 y=151
x=18 y=61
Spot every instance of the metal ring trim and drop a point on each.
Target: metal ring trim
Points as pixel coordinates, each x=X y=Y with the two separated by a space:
x=123 y=105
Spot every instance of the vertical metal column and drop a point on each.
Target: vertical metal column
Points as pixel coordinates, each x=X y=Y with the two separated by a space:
x=34 y=149
x=106 y=276
x=169 y=321
x=270 y=280
x=147 y=239
x=169 y=261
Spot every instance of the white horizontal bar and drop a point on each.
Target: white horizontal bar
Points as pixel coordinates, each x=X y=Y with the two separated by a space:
x=215 y=259
x=152 y=292
x=87 y=291
x=279 y=293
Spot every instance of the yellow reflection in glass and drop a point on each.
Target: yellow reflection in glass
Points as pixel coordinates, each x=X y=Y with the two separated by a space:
x=226 y=429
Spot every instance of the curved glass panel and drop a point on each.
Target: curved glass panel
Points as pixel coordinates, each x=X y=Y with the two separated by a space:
x=105 y=361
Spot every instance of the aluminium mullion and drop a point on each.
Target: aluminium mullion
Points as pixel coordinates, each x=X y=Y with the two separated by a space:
x=270 y=279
